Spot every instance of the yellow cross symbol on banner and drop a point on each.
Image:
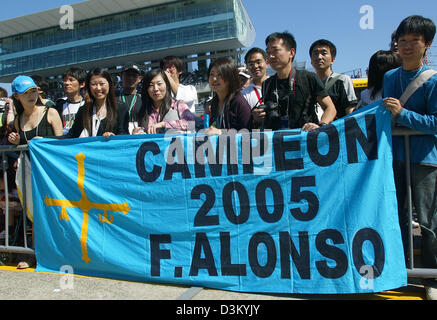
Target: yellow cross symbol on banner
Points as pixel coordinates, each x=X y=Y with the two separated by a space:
x=86 y=206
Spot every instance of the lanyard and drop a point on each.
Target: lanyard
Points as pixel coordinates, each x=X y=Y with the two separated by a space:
x=134 y=100
x=257 y=95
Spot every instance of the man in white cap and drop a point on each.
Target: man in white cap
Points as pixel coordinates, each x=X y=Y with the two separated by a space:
x=256 y=61
x=244 y=78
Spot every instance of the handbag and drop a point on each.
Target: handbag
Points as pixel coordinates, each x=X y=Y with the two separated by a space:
x=23 y=165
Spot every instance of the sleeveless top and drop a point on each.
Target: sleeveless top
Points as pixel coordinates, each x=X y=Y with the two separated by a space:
x=43 y=129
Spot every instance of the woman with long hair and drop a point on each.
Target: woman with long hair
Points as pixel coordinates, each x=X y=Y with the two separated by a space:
x=159 y=111
x=101 y=115
x=229 y=109
x=380 y=62
x=33 y=120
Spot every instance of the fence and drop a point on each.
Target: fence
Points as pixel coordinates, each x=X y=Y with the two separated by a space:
x=5 y=150
x=8 y=151
x=411 y=270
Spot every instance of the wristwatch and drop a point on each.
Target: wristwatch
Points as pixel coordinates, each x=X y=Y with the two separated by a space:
x=321 y=124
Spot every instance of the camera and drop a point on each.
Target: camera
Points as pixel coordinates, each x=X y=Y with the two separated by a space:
x=273 y=117
x=272 y=109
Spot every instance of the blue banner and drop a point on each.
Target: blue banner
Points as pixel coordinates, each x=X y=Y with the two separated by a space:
x=285 y=211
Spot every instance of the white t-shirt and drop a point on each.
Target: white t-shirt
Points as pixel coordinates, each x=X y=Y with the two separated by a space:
x=69 y=111
x=188 y=94
x=252 y=94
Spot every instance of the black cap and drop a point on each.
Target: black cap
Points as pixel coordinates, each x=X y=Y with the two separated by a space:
x=132 y=67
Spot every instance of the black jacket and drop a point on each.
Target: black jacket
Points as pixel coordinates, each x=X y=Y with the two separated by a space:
x=301 y=100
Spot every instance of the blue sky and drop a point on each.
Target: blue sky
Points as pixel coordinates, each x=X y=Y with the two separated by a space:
x=335 y=20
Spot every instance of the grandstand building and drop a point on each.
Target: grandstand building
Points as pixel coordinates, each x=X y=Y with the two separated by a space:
x=111 y=33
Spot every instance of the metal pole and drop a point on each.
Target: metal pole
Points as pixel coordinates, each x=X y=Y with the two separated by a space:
x=4 y=166
x=422 y=273
x=409 y=201
x=23 y=192
x=14 y=249
x=411 y=271
x=5 y=180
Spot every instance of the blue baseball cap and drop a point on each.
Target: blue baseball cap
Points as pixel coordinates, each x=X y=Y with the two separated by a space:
x=22 y=83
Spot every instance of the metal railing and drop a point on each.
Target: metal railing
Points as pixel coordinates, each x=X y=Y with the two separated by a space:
x=411 y=270
x=22 y=149
x=7 y=247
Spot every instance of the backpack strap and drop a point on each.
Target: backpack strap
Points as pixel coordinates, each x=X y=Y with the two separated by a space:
x=265 y=87
x=416 y=84
x=331 y=82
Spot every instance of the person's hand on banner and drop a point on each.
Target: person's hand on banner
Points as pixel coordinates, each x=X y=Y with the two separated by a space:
x=393 y=105
x=108 y=134
x=211 y=131
x=310 y=126
x=138 y=130
x=155 y=127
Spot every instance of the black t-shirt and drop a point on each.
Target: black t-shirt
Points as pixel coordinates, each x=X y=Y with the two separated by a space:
x=339 y=97
x=284 y=96
x=298 y=103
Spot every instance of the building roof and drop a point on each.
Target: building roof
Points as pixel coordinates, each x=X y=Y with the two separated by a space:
x=82 y=11
x=137 y=58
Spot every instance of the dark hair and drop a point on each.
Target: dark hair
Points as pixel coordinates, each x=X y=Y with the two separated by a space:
x=229 y=72
x=77 y=73
x=253 y=51
x=147 y=106
x=324 y=42
x=381 y=62
x=172 y=60
x=111 y=102
x=288 y=38
x=42 y=85
x=416 y=25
